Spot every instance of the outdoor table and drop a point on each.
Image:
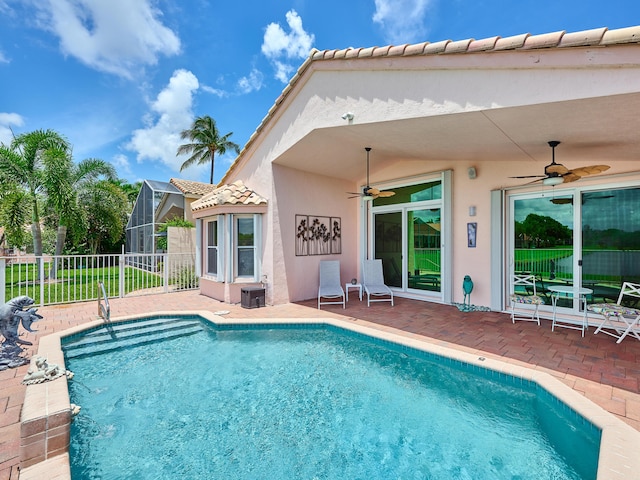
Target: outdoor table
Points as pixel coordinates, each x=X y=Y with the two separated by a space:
x=353 y=285
x=569 y=291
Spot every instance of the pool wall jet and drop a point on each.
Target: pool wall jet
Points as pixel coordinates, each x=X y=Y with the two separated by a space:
x=47 y=412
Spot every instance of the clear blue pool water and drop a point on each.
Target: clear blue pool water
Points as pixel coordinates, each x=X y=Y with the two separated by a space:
x=307 y=403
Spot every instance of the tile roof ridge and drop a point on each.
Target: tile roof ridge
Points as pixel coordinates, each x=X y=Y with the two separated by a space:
x=561 y=39
x=191 y=186
x=235 y=193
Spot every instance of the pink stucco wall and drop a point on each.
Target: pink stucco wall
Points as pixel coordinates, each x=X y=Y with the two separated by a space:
x=387 y=95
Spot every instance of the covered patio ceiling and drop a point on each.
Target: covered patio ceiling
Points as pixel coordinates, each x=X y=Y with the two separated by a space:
x=592 y=131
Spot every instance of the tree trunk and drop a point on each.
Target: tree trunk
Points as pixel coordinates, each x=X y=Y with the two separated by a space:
x=61 y=236
x=211 y=181
x=37 y=246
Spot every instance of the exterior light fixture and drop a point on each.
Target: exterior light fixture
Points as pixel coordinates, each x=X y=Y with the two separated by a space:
x=348 y=116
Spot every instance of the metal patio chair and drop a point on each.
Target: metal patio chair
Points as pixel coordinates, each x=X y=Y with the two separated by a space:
x=330 y=286
x=619 y=320
x=373 y=282
x=525 y=299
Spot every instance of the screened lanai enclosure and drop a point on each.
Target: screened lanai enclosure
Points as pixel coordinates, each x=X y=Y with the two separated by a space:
x=157 y=202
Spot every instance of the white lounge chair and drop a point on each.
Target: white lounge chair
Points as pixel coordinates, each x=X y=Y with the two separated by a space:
x=620 y=320
x=373 y=282
x=524 y=293
x=330 y=286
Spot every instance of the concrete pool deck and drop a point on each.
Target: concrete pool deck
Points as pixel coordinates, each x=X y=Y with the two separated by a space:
x=594 y=366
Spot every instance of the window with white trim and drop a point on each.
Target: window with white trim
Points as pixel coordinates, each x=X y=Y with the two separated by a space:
x=212 y=247
x=244 y=246
x=233 y=247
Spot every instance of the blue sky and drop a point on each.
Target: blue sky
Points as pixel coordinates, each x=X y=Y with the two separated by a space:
x=121 y=78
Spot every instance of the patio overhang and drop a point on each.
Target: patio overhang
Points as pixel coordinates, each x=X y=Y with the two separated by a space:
x=592 y=131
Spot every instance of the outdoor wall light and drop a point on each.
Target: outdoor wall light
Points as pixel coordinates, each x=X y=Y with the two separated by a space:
x=472 y=172
x=348 y=116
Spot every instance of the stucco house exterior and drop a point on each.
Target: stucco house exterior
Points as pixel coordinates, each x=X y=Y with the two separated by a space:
x=451 y=126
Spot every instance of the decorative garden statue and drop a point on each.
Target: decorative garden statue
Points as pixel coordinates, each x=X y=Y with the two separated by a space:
x=12 y=314
x=44 y=371
x=467 y=288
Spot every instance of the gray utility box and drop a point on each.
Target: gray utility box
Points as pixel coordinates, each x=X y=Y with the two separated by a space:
x=252 y=297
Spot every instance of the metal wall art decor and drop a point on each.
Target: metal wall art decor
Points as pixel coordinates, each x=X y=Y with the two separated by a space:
x=317 y=235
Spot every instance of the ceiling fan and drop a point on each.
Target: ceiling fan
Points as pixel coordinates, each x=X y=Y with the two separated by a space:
x=556 y=173
x=369 y=193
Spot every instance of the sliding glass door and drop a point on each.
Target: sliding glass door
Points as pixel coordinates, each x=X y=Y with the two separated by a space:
x=407 y=237
x=587 y=238
x=610 y=240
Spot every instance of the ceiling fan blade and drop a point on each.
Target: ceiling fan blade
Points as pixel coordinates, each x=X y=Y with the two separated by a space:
x=372 y=191
x=387 y=193
x=590 y=170
x=561 y=201
x=530 y=176
x=535 y=181
x=570 y=177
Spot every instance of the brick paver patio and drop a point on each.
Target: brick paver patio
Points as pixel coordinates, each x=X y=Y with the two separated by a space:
x=597 y=367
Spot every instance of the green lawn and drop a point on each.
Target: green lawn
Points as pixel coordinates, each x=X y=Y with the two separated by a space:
x=77 y=284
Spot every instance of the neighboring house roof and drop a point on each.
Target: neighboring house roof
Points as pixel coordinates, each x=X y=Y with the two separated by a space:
x=188 y=187
x=236 y=193
x=599 y=37
x=158 y=186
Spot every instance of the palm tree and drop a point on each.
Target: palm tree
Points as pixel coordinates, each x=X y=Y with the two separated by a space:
x=63 y=181
x=205 y=142
x=14 y=211
x=21 y=164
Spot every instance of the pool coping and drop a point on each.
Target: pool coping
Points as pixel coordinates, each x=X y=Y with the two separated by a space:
x=46 y=413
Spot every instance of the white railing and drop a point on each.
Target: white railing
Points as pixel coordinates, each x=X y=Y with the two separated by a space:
x=104 y=310
x=74 y=278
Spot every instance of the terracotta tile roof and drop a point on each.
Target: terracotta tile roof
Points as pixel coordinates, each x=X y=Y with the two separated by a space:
x=587 y=38
x=232 y=194
x=189 y=187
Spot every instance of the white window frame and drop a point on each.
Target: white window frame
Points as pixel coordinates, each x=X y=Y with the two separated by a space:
x=256 y=247
x=219 y=247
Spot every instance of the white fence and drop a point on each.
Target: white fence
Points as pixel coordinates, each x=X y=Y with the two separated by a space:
x=74 y=278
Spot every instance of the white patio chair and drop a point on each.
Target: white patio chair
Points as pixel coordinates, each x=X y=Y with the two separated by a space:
x=619 y=320
x=526 y=299
x=373 y=282
x=330 y=286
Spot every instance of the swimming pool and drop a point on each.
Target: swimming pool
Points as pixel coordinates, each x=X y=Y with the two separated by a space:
x=236 y=401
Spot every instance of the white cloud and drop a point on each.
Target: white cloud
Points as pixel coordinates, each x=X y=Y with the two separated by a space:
x=170 y=113
x=7 y=120
x=251 y=82
x=3 y=58
x=118 y=36
x=214 y=91
x=402 y=21
x=279 y=46
x=122 y=165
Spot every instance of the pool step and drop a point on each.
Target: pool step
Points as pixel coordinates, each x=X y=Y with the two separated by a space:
x=116 y=336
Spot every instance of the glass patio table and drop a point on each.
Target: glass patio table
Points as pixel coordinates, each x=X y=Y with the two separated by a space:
x=569 y=291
